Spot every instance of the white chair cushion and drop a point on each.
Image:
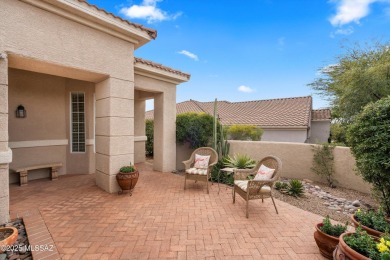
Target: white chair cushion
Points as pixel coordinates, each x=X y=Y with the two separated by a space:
x=264 y=173
x=197 y=171
x=201 y=161
x=244 y=186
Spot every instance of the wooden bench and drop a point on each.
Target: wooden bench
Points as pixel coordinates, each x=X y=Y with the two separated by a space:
x=24 y=171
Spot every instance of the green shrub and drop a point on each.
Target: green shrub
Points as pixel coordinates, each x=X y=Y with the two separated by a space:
x=281 y=185
x=244 y=132
x=333 y=230
x=369 y=137
x=338 y=133
x=194 y=128
x=149 y=131
x=127 y=168
x=323 y=162
x=223 y=176
x=361 y=242
x=293 y=188
x=373 y=219
x=239 y=161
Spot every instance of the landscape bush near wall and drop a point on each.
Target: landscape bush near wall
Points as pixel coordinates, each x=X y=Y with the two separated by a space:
x=297 y=161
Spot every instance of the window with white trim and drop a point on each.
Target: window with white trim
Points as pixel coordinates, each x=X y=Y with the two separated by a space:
x=78 y=122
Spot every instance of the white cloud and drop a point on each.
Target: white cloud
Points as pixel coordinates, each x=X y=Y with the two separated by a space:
x=189 y=54
x=245 y=89
x=342 y=31
x=345 y=31
x=350 y=11
x=149 y=11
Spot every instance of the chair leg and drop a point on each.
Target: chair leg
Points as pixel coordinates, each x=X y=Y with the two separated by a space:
x=274 y=204
x=247 y=208
x=234 y=195
x=262 y=199
x=185 y=178
x=207 y=185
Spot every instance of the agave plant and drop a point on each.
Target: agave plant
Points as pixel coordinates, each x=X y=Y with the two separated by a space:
x=239 y=161
x=296 y=188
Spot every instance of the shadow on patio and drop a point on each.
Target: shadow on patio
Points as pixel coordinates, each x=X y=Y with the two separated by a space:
x=161 y=220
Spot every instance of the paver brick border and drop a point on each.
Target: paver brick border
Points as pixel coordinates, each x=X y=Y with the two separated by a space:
x=41 y=242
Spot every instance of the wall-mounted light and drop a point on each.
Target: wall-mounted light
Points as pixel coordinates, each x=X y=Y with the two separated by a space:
x=21 y=112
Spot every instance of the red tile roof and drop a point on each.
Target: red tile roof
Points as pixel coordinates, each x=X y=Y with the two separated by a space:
x=161 y=67
x=277 y=113
x=321 y=114
x=152 y=33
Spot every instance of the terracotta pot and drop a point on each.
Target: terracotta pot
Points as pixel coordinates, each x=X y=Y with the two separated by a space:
x=370 y=231
x=326 y=243
x=344 y=252
x=127 y=181
x=10 y=240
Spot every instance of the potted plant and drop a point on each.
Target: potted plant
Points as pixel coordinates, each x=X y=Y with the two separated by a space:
x=8 y=236
x=373 y=222
x=362 y=246
x=327 y=236
x=127 y=178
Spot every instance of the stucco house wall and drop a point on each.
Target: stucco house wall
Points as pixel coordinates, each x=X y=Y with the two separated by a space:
x=62 y=47
x=50 y=48
x=319 y=131
x=290 y=135
x=164 y=94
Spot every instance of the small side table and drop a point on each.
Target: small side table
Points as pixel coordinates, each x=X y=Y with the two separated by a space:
x=228 y=171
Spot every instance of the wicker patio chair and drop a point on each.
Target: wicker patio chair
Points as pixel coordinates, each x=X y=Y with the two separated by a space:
x=254 y=189
x=204 y=174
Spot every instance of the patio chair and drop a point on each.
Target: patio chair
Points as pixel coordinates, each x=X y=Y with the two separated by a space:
x=194 y=170
x=257 y=189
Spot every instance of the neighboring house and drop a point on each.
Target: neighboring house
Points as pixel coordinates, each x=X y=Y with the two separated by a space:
x=283 y=119
x=71 y=66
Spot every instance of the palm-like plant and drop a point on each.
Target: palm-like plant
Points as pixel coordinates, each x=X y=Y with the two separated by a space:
x=239 y=161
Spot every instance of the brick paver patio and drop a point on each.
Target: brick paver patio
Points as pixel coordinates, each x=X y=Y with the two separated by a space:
x=161 y=220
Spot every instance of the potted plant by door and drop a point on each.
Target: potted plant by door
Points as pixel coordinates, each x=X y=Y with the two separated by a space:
x=127 y=178
x=362 y=246
x=327 y=236
x=373 y=222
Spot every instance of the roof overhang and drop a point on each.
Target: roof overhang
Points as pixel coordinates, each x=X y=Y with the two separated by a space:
x=297 y=128
x=159 y=74
x=83 y=13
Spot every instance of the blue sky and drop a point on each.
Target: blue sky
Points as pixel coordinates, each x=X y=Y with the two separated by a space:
x=254 y=49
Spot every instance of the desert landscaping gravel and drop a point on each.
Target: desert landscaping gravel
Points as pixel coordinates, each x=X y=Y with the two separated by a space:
x=320 y=206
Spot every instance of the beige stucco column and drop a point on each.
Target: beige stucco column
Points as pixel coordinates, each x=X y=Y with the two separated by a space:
x=164 y=149
x=114 y=130
x=5 y=151
x=139 y=130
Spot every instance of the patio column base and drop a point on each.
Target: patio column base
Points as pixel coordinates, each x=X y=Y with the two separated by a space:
x=107 y=182
x=4 y=193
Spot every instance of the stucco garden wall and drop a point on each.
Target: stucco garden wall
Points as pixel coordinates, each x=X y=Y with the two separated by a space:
x=183 y=153
x=296 y=158
x=297 y=161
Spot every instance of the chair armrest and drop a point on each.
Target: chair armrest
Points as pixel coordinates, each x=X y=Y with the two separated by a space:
x=269 y=182
x=212 y=165
x=187 y=164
